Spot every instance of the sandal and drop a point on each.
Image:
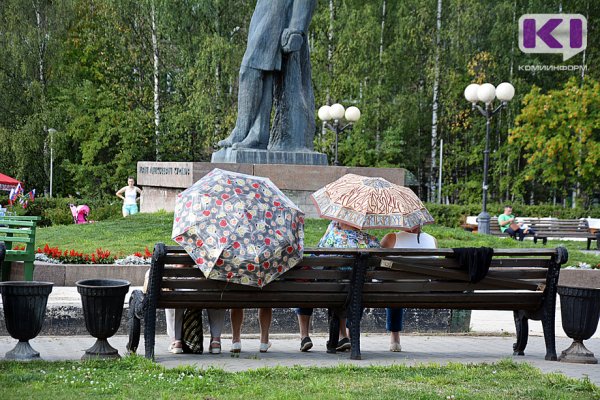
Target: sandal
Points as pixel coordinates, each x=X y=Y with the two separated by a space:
x=215 y=347
x=176 y=347
x=236 y=347
x=264 y=347
x=395 y=347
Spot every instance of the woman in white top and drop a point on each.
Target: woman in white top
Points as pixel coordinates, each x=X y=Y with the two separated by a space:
x=412 y=239
x=130 y=197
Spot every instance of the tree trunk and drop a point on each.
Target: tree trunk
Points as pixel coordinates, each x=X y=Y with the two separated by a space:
x=435 y=105
x=156 y=82
x=380 y=79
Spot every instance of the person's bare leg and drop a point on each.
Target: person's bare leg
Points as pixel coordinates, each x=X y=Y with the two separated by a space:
x=250 y=95
x=343 y=330
x=237 y=317
x=304 y=324
x=394 y=337
x=265 y=315
x=258 y=135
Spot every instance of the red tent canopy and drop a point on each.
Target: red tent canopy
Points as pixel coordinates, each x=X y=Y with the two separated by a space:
x=7 y=183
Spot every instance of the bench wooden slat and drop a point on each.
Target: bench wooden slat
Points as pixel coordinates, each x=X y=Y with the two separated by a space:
x=16 y=231
x=18 y=239
x=218 y=286
x=29 y=224
x=405 y=252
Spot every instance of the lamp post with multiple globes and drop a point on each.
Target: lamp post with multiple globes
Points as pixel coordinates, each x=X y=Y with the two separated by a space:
x=486 y=93
x=342 y=119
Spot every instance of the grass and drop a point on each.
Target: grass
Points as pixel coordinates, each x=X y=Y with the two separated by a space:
x=135 y=377
x=128 y=235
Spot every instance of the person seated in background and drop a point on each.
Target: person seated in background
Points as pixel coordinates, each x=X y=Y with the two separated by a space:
x=510 y=226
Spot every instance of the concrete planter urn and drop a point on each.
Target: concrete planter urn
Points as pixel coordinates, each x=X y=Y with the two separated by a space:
x=580 y=311
x=102 y=302
x=24 y=311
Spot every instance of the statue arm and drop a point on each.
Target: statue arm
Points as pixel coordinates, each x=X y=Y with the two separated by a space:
x=302 y=12
x=293 y=36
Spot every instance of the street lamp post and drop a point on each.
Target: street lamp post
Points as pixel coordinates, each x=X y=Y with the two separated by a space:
x=486 y=94
x=337 y=113
x=51 y=132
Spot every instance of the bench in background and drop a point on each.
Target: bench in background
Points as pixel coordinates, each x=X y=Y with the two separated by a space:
x=557 y=228
x=18 y=231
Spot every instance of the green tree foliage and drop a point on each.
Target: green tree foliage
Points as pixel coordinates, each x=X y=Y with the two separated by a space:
x=85 y=68
x=559 y=134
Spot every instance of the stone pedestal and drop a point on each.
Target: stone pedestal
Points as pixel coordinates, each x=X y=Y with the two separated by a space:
x=255 y=156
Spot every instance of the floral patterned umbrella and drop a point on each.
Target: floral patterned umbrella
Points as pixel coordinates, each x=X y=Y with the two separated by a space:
x=370 y=203
x=239 y=228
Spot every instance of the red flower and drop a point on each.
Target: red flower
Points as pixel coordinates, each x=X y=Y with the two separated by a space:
x=219 y=202
x=289 y=249
x=220 y=262
x=179 y=239
x=223 y=239
x=206 y=213
x=257 y=195
x=199 y=243
x=276 y=203
x=238 y=190
x=236 y=245
x=255 y=185
x=259 y=282
x=229 y=275
x=249 y=216
x=250 y=267
x=280 y=268
x=266 y=264
x=267 y=241
x=188 y=204
x=225 y=196
x=269 y=214
x=223 y=223
x=199 y=260
x=147 y=252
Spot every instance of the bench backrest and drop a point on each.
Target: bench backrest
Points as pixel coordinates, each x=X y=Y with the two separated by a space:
x=18 y=234
x=423 y=278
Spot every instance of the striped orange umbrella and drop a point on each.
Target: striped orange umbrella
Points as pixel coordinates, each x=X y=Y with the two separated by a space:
x=370 y=203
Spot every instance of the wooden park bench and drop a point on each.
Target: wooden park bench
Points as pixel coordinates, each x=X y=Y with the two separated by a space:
x=557 y=228
x=17 y=232
x=522 y=280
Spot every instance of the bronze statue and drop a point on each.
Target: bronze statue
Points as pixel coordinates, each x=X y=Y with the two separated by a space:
x=276 y=70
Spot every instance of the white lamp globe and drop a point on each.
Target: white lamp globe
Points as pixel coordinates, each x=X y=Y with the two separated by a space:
x=486 y=93
x=505 y=91
x=324 y=113
x=352 y=114
x=337 y=111
x=471 y=93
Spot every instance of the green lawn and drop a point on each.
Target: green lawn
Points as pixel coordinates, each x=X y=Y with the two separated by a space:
x=128 y=235
x=137 y=378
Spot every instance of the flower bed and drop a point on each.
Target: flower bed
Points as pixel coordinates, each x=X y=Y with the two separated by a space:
x=54 y=255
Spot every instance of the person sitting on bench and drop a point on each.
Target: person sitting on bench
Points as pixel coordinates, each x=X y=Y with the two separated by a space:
x=509 y=225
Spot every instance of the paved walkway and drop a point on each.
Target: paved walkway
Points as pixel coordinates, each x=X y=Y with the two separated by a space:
x=490 y=341
x=417 y=349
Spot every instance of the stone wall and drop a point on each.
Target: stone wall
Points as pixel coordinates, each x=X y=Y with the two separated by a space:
x=161 y=181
